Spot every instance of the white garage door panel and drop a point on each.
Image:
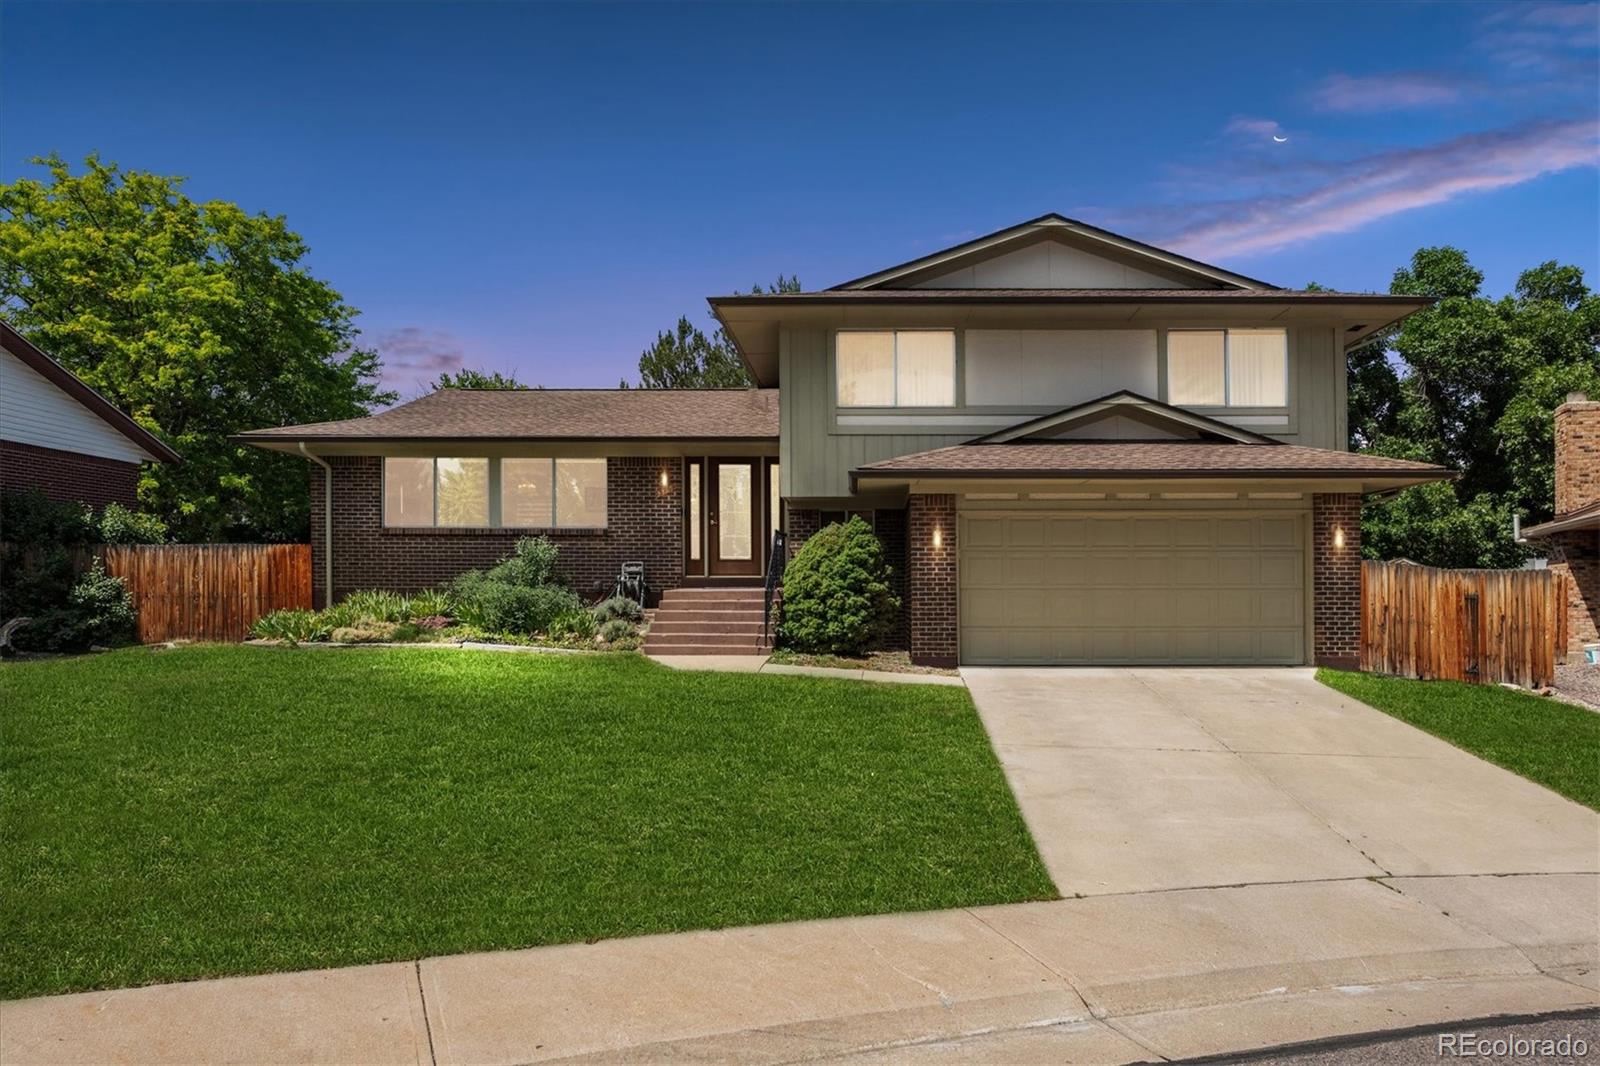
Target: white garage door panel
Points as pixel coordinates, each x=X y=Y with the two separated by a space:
x=1136 y=588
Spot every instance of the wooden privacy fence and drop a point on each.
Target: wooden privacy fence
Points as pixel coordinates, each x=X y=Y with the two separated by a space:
x=209 y=591
x=1462 y=625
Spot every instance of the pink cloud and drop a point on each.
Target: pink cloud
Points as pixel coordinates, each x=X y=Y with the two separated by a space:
x=1328 y=197
x=1385 y=92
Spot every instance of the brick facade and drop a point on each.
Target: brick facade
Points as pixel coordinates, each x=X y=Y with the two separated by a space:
x=68 y=477
x=799 y=525
x=644 y=524
x=931 y=578
x=1577 y=553
x=1336 y=579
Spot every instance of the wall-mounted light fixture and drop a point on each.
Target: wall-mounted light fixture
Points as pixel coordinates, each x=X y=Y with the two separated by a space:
x=1338 y=536
x=663 y=477
x=938 y=537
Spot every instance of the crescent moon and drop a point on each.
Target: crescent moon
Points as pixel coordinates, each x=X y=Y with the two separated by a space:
x=1280 y=140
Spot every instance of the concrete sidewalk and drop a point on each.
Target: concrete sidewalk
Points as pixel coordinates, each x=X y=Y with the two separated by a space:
x=1111 y=978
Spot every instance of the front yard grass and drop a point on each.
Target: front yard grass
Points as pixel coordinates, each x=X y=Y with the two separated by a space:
x=228 y=810
x=1545 y=740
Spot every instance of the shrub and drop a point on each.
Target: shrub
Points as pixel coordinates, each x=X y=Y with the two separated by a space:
x=576 y=625
x=292 y=625
x=838 y=592
x=379 y=605
x=618 y=608
x=118 y=525
x=498 y=607
x=340 y=614
x=532 y=563
x=98 y=612
x=32 y=519
x=615 y=629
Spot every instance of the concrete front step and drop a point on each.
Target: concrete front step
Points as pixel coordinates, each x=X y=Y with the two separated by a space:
x=726 y=640
x=694 y=625
x=707 y=649
x=713 y=594
x=716 y=615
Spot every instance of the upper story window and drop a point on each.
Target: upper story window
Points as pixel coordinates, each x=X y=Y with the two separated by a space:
x=1228 y=367
x=458 y=493
x=896 y=368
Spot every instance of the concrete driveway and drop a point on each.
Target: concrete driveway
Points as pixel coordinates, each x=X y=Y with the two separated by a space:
x=1141 y=780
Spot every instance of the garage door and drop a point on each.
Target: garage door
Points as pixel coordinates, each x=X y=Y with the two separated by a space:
x=1132 y=588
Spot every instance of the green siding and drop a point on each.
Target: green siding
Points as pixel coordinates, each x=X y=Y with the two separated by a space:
x=817 y=458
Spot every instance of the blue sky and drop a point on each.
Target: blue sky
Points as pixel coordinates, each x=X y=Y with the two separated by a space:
x=541 y=188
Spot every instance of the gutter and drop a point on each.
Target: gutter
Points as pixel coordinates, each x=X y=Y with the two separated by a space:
x=327 y=522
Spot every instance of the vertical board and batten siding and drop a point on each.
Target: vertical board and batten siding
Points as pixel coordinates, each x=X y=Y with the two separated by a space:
x=817 y=456
x=1487 y=626
x=210 y=591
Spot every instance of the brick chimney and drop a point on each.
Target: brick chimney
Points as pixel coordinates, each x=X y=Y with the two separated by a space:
x=1577 y=453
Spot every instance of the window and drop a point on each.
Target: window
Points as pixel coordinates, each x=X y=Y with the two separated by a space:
x=456 y=493
x=696 y=519
x=436 y=492
x=774 y=500
x=896 y=368
x=1228 y=368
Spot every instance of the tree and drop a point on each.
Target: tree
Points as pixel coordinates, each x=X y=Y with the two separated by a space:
x=686 y=358
x=469 y=378
x=198 y=319
x=1471 y=383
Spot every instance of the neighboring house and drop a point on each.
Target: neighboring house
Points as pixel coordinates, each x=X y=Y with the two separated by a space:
x=1572 y=537
x=1076 y=448
x=60 y=436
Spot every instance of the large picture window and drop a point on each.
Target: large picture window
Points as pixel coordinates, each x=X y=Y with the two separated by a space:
x=896 y=368
x=1228 y=367
x=475 y=493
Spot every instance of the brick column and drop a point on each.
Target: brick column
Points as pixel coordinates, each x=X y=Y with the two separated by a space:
x=1336 y=579
x=931 y=578
x=1577 y=553
x=800 y=523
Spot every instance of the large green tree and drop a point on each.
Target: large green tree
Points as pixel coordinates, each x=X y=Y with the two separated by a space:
x=473 y=378
x=199 y=319
x=1471 y=383
x=685 y=357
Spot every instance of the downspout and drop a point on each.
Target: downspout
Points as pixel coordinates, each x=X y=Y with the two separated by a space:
x=327 y=522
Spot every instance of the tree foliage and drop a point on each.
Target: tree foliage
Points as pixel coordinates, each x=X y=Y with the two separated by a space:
x=198 y=319
x=1472 y=383
x=685 y=357
x=470 y=378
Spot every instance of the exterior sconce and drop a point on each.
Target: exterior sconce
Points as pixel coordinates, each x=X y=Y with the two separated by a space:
x=1338 y=536
x=663 y=477
x=938 y=537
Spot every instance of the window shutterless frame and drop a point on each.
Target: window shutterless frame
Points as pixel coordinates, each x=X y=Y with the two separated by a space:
x=1227 y=364
x=894 y=369
x=495 y=496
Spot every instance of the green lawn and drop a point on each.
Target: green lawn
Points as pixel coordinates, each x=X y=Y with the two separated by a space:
x=1544 y=740
x=226 y=810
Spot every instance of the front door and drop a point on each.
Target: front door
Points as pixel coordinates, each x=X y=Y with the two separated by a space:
x=733 y=516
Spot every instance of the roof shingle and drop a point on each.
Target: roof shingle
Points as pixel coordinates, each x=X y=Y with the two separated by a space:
x=1083 y=458
x=557 y=414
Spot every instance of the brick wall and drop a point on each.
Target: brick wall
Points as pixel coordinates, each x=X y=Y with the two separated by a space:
x=1577 y=553
x=1336 y=579
x=68 y=477
x=799 y=523
x=931 y=578
x=644 y=524
x=1577 y=453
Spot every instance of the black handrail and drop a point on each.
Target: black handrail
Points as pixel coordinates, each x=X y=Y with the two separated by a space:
x=775 y=564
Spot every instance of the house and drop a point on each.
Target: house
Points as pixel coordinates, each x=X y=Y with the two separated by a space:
x=60 y=436
x=1572 y=538
x=1076 y=448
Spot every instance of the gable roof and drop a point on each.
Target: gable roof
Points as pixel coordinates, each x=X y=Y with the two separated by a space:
x=31 y=356
x=1058 y=227
x=1128 y=403
x=554 y=415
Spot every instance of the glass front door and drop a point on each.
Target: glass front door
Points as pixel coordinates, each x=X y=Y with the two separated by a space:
x=733 y=516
